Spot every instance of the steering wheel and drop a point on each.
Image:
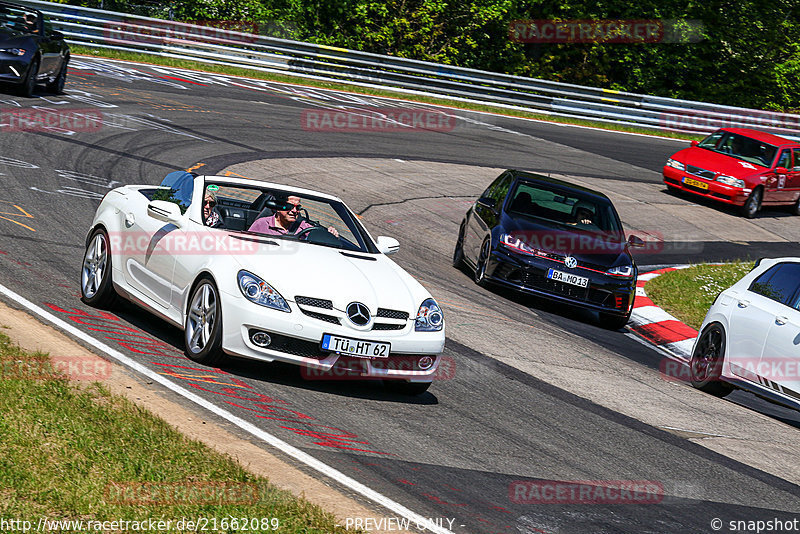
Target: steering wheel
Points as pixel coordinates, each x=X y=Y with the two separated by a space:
x=305 y=231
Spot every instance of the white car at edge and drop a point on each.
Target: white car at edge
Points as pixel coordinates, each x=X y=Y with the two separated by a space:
x=323 y=299
x=750 y=337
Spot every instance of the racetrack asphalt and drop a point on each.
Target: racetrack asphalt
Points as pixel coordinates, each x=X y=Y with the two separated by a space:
x=537 y=393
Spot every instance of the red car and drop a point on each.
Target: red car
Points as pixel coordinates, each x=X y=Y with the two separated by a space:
x=739 y=166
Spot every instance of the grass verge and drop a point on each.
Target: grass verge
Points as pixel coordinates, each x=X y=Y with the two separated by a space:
x=237 y=71
x=80 y=453
x=688 y=293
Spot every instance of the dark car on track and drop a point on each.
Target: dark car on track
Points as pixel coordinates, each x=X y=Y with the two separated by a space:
x=31 y=52
x=553 y=239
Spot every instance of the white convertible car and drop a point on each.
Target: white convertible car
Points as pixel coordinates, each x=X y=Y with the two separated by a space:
x=267 y=272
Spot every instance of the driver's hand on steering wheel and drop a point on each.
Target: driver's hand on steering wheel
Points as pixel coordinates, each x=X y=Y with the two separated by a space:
x=333 y=231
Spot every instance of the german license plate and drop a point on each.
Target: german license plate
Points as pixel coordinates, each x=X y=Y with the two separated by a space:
x=695 y=183
x=355 y=347
x=568 y=278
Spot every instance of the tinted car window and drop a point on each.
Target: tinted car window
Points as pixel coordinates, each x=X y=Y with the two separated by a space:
x=489 y=193
x=500 y=191
x=796 y=159
x=181 y=184
x=779 y=283
x=785 y=159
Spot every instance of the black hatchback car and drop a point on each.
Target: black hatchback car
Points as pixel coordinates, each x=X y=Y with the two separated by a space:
x=31 y=52
x=553 y=239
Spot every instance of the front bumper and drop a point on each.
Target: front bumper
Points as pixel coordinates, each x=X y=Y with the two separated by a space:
x=12 y=70
x=605 y=293
x=716 y=191
x=297 y=340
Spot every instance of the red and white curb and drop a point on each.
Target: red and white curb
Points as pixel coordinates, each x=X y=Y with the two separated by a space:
x=657 y=326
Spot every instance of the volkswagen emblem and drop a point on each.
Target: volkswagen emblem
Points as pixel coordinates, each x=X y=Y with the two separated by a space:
x=570 y=262
x=358 y=314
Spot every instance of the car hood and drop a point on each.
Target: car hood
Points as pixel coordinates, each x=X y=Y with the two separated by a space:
x=716 y=162
x=12 y=39
x=601 y=248
x=302 y=269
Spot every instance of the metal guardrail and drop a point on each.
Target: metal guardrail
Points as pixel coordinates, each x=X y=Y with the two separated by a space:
x=118 y=31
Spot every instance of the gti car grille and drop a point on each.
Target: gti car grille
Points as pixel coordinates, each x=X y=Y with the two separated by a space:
x=316 y=303
x=321 y=316
x=392 y=314
x=702 y=173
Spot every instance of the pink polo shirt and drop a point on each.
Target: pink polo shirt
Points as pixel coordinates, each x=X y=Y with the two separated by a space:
x=268 y=226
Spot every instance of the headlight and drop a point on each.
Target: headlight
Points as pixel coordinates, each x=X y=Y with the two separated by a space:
x=730 y=180
x=625 y=271
x=429 y=317
x=516 y=244
x=675 y=164
x=13 y=51
x=258 y=291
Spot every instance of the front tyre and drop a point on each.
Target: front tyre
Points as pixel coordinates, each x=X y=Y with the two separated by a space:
x=483 y=260
x=705 y=366
x=202 y=332
x=458 y=253
x=404 y=387
x=57 y=85
x=97 y=289
x=613 y=321
x=795 y=209
x=29 y=85
x=753 y=204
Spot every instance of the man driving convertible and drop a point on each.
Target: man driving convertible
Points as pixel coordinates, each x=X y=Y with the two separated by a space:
x=285 y=222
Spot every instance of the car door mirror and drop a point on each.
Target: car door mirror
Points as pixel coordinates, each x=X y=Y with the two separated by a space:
x=635 y=241
x=781 y=170
x=168 y=212
x=387 y=245
x=695 y=143
x=487 y=202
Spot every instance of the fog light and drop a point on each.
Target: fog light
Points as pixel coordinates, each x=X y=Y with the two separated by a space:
x=425 y=363
x=261 y=339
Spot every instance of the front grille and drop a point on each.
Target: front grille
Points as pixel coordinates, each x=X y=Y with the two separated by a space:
x=294 y=346
x=321 y=316
x=387 y=326
x=316 y=303
x=391 y=314
x=702 y=173
x=539 y=282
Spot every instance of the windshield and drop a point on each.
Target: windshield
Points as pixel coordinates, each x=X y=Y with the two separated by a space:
x=283 y=214
x=567 y=208
x=740 y=147
x=19 y=19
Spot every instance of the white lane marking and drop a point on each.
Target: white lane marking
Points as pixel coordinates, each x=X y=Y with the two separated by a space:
x=268 y=438
x=683 y=349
